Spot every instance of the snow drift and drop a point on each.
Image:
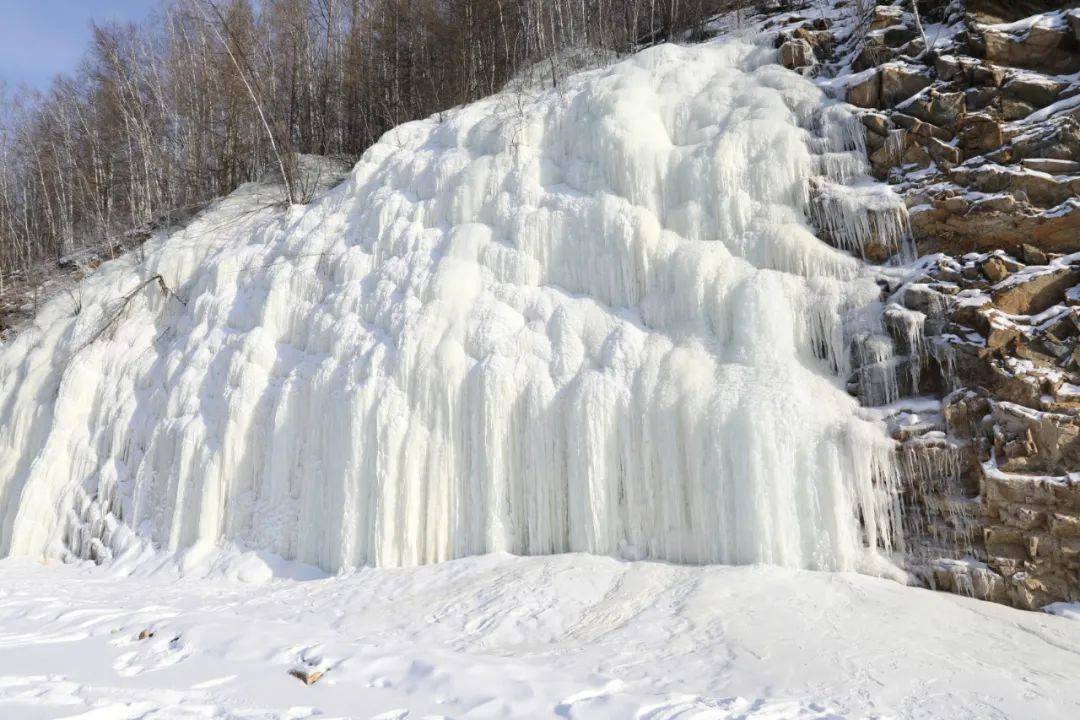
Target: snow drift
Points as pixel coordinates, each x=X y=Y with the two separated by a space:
x=594 y=318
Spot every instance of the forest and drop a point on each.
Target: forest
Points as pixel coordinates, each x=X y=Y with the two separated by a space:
x=165 y=115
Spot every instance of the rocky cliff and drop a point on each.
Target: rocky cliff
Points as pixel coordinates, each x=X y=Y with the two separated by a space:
x=971 y=113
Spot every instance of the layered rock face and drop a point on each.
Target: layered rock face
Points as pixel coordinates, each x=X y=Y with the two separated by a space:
x=972 y=112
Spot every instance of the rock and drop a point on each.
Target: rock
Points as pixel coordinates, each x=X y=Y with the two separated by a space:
x=865 y=90
x=1031 y=294
x=979 y=133
x=915 y=154
x=146 y=634
x=877 y=122
x=989 y=12
x=948 y=68
x=987 y=75
x=1051 y=165
x=943 y=109
x=936 y=228
x=1041 y=189
x=899 y=81
x=796 y=54
x=1013 y=109
x=1073 y=16
x=872 y=55
x=897 y=35
x=1035 y=90
x=1047 y=45
x=919 y=128
x=875 y=141
x=1033 y=255
x=306 y=675
x=886 y=16
x=816 y=38
x=943 y=153
x=979 y=98
x=1057 y=138
x=1064 y=526
x=995 y=203
x=994 y=268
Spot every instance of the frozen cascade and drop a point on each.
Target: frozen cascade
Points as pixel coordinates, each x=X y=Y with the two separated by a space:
x=592 y=319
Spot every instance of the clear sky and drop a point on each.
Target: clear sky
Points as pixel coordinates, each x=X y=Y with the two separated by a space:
x=41 y=38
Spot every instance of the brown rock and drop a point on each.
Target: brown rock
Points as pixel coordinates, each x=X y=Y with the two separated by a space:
x=1036 y=90
x=866 y=91
x=918 y=127
x=979 y=98
x=1057 y=138
x=899 y=81
x=979 y=133
x=1064 y=526
x=1046 y=46
x=886 y=16
x=1051 y=166
x=306 y=675
x=944 y=154
x=948 y=68
x=937 y=229
x=994 y=268
x=1004 y=203
x=816 y=38
x=877 y=122
x=796 y=54
x=1013 y=109
x=943 y=109
x=987 y=75
x=1041 y=189
x=872 y=55
x=1033 y=255
x=1031 y=294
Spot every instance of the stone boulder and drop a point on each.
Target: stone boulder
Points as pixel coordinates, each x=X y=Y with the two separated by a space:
x=944 y=109
x=946 y=225
x=864 y=90
x=979 y=133
x=1051 y=166
x=886 y=16
x=899 y=81
x=1031 y=293
x=1036 y=90
x=797 y=54
x=990 y=12
x=1047 y=44
x=1040 y=189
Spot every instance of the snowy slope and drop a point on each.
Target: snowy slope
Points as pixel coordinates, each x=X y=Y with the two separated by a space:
x=591 y=319
x=566 y=636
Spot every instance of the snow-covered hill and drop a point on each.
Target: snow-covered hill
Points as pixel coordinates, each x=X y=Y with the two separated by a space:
x=594 y=318
x=564 y=636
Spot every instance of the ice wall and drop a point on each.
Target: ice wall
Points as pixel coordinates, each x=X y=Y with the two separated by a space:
x=594 y=318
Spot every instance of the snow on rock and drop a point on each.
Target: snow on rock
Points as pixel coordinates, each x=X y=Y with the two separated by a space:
x=590 y=319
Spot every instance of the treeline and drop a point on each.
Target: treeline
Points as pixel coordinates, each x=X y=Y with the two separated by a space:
x=207 y=94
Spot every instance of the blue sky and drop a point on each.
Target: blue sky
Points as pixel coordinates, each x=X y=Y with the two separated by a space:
x=41 y=38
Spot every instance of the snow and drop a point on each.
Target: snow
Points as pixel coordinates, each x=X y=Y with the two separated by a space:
x=572 y=636
x=587 y=319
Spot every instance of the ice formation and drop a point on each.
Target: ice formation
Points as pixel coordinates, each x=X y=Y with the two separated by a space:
x=594 y=318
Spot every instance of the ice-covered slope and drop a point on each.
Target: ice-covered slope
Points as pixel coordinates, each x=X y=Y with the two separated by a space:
x=588 y=319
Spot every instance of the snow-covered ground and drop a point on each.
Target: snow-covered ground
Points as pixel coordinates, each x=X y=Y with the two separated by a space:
x=572 y=636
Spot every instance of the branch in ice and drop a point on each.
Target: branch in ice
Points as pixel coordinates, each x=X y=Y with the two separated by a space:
x=123 y=306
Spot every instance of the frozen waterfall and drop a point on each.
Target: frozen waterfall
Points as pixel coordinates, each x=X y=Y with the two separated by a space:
x=592 y=318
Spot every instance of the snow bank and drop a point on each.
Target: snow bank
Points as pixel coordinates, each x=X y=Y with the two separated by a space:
x=593 y=319
x=568 y=636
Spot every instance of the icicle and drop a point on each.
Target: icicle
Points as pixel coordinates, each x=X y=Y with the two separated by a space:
x=596 y=320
